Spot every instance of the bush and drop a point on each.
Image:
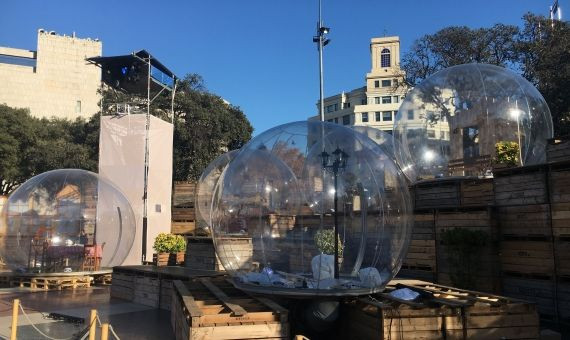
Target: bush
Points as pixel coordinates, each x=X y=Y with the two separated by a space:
x=169 y=243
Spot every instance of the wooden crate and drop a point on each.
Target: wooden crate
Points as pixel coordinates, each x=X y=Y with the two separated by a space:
x=187 y=228
x=530 y=222
x=200 y=254
x=533 y=258
x=560 y=182
x=214 y=309
x=561 y=219
x=558 y=150
x=477 y=192
x=539 y=291
x=183 y=194
x=420 y=261
x=280 y=224
x=444 y=313
x=437 y=194
x=521 y=186
x=563 y=293
x=562 y=256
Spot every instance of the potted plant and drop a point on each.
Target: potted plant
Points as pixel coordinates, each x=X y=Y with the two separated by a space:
x=507 y=154
x=169 y=248
x=324 y=240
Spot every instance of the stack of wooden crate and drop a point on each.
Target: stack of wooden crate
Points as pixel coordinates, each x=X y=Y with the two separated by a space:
x=200 y=254
x=560 y=212
x=183 y=208
x=420 y=261
x=526 y=248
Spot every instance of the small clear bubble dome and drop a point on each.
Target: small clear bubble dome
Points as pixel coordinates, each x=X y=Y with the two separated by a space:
x=66 y=220
x=466 y=118
x=294 y=191
x=206 y=185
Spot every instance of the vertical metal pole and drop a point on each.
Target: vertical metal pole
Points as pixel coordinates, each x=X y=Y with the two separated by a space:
x=336 y=271
x=15 y=311
x=92 y=324
x=321 y=90
x=146 y=152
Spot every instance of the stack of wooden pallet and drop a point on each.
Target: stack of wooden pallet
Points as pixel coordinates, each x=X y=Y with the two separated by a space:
x=183 y=208
x=213 y=309
x=439 y=313
x=420 y=261
x=51 y=282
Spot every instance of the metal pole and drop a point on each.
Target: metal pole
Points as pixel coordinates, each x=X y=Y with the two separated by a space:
x=15 y=311
x=336 y=271
x=146 y=154
x=321 y=90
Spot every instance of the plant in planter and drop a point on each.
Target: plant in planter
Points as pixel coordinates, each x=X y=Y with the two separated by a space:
x=507 y=154
x=324 y=240
x=169 y=248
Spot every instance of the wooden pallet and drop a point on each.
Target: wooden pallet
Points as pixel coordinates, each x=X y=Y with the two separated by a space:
x=527 y=257
x=477 y=192
x=183 y=194
x=441 y=313
x=213 y=309
x=437 y=194
x=420 y=261
x=51 y=282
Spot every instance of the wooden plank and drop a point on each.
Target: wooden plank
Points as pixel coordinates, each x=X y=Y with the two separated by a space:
x=187 y=299
x=236 y=309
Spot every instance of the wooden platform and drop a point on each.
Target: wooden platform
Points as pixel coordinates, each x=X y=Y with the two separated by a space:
x=211 y=308
x=440 y=313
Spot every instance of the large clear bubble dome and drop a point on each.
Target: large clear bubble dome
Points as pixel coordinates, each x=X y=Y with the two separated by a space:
x=206 y=185
x=466 y=118
x=311 y=208
x=66 y=220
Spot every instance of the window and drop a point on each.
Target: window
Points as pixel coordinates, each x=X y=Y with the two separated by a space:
x=336 y=120
x=387 y=116
x=431 y=133
x=386 y=82
x=470 y=142
x=78 y=106
x=396 y=99
x=330 y=120
x=336 y=107
x=346 y=120
x=377 y=83
x=329 y=108
x=363 y=101
x=365 y=117
x=376 y=100
x=410 y=114
x=388 y=131
x=442 y=135
x=387 y=100
x=385 y=58
x=378 y=117
x=346 y=105
x=15 y=60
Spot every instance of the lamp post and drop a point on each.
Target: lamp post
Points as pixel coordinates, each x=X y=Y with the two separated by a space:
x=321 y=42
x=338 y=164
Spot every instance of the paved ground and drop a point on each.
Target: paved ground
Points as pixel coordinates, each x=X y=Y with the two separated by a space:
x=130 y=320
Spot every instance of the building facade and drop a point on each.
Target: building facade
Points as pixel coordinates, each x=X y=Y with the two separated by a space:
x=377 y=103
x=55 y=80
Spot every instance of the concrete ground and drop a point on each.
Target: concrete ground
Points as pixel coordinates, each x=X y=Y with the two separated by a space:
x=129 y=320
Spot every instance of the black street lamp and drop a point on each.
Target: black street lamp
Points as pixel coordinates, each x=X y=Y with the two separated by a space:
x=338 y=164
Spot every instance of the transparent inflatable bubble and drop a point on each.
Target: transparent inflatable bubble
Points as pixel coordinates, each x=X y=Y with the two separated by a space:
x=66 y=220
x=295 y=191
x=465 y=119
x=206 y=185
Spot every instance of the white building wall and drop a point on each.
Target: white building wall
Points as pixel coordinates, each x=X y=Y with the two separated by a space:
x=62 y=84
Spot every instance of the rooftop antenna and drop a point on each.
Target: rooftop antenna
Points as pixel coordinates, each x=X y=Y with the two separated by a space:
x=321 y=42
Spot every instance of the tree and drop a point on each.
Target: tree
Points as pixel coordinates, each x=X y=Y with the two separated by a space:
x=544 y=55
x=460 y=45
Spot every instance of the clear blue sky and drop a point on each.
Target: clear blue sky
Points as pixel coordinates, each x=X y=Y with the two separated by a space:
x=257 y=54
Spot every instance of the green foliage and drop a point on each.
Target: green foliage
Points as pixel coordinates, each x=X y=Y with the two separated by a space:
x=507 y=153
x=30 y=146
x=464 y=249
x=324 y=240
x=169 y=243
